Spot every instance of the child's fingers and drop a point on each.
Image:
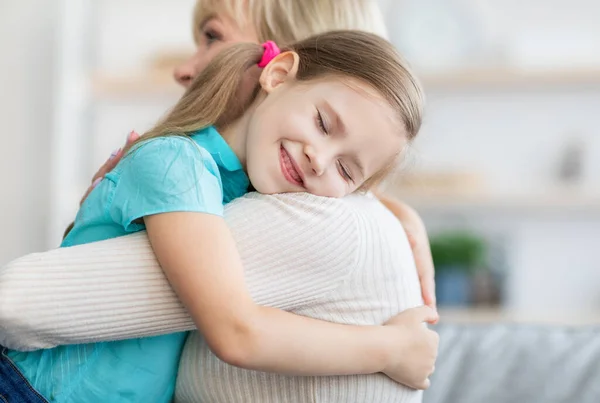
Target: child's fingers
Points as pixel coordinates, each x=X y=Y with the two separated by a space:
x=425 y=314
x=428 y=287
x=429 y=300
x=115 y=156
x=112 y=162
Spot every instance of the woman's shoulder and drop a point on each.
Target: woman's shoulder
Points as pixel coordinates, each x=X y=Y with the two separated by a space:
x=356 y=209
x=304 y=209
x=378 y=224
x=298 y=227
x=362 y=221
x=306 y=202
x=356 y=222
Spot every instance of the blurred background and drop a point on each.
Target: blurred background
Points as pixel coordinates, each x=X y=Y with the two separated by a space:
x=506 y=171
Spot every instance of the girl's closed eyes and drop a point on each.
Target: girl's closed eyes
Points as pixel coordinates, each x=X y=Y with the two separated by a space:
x=321 y=122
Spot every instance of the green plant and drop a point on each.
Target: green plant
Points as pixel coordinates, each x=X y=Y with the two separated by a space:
x=458 y=250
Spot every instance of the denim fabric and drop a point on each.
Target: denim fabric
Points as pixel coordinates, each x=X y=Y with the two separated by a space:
x=14 y=388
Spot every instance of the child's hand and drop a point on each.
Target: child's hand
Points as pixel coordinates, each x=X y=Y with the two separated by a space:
x=414 y=361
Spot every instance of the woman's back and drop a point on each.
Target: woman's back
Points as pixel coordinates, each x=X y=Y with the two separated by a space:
x=379 y=280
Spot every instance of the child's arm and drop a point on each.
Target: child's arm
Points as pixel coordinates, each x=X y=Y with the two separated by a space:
x=199 y=257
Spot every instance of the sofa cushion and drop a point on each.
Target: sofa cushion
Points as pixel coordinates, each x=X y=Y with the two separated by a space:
x=502 y=363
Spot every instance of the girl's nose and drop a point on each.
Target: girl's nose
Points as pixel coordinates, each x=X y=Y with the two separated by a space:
x=316 y=160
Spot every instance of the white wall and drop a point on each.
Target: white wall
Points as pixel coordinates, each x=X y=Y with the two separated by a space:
x=26 y=40
x=513 y=135
x=131 y=31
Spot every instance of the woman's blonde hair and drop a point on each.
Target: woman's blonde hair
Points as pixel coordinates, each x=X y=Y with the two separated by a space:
x=287 y=21
x=214 y=96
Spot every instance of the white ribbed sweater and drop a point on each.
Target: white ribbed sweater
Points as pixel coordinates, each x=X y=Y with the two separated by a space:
x=341 y=260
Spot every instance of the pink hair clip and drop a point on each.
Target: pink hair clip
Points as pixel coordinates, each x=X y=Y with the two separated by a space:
x=271 y=50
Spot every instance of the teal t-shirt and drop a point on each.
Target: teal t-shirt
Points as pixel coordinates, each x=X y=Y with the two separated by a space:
x=199 y=173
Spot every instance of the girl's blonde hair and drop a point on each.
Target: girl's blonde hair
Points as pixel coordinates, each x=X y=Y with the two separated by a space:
x=214 y=96
x=287 y=21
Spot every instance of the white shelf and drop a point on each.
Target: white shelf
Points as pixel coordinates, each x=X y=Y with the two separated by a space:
x=161 y=83
x=530 y=203
x=513 y=78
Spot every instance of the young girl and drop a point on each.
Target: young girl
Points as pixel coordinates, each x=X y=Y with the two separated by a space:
x=328 y=116
x=220 y=23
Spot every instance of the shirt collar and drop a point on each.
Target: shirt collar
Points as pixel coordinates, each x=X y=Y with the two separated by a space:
x=215 y=144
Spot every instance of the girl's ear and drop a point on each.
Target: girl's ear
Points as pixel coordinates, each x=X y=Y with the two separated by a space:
x=281 y=69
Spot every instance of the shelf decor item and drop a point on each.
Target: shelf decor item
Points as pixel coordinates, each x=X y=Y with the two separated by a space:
x=457 y=255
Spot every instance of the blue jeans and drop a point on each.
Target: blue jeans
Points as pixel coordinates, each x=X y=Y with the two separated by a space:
x=14 y=388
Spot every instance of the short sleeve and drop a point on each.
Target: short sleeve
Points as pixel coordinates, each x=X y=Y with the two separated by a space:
x=164 y=175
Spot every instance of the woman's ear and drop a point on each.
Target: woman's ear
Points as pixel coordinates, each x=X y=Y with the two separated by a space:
x=281 y=69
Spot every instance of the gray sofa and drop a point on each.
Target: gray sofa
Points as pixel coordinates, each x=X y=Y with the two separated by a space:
x=516 y=363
